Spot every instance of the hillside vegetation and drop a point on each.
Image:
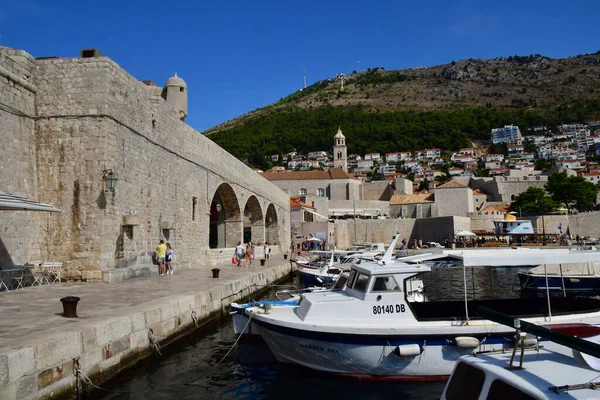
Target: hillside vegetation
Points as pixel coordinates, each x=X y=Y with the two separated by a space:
x=444 y=106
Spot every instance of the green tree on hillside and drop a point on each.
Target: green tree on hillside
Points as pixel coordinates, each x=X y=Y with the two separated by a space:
x=533 y=201
x=572 y=191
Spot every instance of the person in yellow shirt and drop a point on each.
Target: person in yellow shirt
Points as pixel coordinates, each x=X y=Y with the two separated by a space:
x=161 y=253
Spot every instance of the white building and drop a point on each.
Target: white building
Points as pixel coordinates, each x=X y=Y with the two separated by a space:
x=502 y=135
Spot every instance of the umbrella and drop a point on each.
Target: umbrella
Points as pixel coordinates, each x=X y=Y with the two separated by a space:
x=313 y=239
x=9 y=202
x=463 y=232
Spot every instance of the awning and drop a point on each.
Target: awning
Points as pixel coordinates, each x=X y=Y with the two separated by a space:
x=9 y=202
x=315 y=213
x=352 y=211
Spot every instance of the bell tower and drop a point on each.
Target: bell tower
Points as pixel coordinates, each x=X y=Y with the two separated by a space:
x=340 y=151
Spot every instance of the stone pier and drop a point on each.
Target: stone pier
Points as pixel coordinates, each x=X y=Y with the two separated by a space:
x=38 y=345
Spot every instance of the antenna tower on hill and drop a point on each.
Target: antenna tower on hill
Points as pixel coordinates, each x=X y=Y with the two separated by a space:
x=304 y=78
x=341 y=77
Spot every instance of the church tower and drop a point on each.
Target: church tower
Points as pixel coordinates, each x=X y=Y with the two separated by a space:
x=175 y=93
x=340 y=151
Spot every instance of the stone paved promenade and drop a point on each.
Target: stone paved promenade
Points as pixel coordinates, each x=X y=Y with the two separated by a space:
x=37 y=343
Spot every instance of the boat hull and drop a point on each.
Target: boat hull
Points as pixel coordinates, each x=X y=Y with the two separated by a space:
x=372 y=357
x=242 y=325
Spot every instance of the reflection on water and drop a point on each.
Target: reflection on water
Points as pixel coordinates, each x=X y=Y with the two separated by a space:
x=190 y=371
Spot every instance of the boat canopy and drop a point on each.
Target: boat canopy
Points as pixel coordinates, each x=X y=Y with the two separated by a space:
x=516 y=257
x=580 y=269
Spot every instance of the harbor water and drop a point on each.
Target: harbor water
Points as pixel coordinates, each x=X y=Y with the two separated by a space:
x=208 y=365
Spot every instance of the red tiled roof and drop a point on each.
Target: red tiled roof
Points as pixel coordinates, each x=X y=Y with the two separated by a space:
x=332 y=173
x=451 y=185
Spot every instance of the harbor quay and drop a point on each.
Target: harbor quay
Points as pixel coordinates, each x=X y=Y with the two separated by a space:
x=116 y=326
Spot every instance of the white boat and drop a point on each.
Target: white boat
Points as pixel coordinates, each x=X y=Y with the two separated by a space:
x=328 y=272
x=371 y=329
x=242 y=324
x=529 y=372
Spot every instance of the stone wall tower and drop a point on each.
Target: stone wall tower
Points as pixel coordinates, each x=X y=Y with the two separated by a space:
x=175 y=93
x=340 y=151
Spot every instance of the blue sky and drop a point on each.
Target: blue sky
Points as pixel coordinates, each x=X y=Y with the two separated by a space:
x=237 y=56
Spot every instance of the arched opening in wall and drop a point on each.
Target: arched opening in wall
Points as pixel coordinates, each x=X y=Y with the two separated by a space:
x=253 y=221
x=225 y=227
x=271 y=226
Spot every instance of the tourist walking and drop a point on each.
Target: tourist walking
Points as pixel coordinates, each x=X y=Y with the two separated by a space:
x=267 y=250
x=248 y=253
x=239 y=250
x=169 y=259
x=161 y=253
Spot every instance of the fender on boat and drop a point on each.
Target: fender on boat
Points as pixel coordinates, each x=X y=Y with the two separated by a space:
x=408 y=350
x=466 y=342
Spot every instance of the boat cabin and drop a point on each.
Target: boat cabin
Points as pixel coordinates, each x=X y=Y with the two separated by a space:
x=544 y=375
x=510 y=225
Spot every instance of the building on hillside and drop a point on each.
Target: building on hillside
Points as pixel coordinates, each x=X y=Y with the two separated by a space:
x=505 y=134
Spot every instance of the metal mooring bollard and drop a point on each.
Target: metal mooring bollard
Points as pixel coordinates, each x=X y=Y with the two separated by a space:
x=215 y=272
x=70 y=306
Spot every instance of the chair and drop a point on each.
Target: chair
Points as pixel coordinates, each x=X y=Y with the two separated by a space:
x=19 y=277
x=52 y=271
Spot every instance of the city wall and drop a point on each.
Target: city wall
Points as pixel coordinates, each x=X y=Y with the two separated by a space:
x=86 y=115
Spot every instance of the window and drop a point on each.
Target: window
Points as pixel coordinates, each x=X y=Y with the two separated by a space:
x=303 y=191
x=465 y=383
x=502 y=390
x=320 y=192
x=361 y=282
x=351 y=278
x=385 y=284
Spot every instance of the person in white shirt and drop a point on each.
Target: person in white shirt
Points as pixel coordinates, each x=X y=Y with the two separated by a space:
x=239 y=250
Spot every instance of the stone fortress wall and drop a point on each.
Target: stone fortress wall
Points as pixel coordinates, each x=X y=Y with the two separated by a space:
x=82 y=116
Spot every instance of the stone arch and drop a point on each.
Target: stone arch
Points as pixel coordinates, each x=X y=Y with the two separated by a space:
x=254 y=226
x=271 y=225
x=225 y=218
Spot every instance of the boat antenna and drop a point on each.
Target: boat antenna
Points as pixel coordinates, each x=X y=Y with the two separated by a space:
x=387 y=257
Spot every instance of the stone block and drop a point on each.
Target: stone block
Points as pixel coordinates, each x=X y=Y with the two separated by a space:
x=88 y=338
x=138 y=321
x=113 y=330
x=19 y=362
x=186 y=304
x=139 y=339
x=26 y=387
x=116 y=347
x=90 y=359
x=57 y=349
x=163 y=329
x=152 y=317
x=8 y=392
x=169 y=310
x=54 y=374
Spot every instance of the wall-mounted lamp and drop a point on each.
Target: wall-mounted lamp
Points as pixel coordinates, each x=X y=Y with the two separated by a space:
x=218 y=207
x=249 y=216
x=110 y=179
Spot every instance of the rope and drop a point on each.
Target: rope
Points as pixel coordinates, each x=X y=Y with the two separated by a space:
x=81 y=377
x=237 y=340
x=154 y=345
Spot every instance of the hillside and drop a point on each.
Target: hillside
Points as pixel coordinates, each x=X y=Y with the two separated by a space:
x=444 y=106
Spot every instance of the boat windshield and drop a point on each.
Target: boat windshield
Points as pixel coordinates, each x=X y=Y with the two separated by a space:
x=360 y=284
x=386 y=284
